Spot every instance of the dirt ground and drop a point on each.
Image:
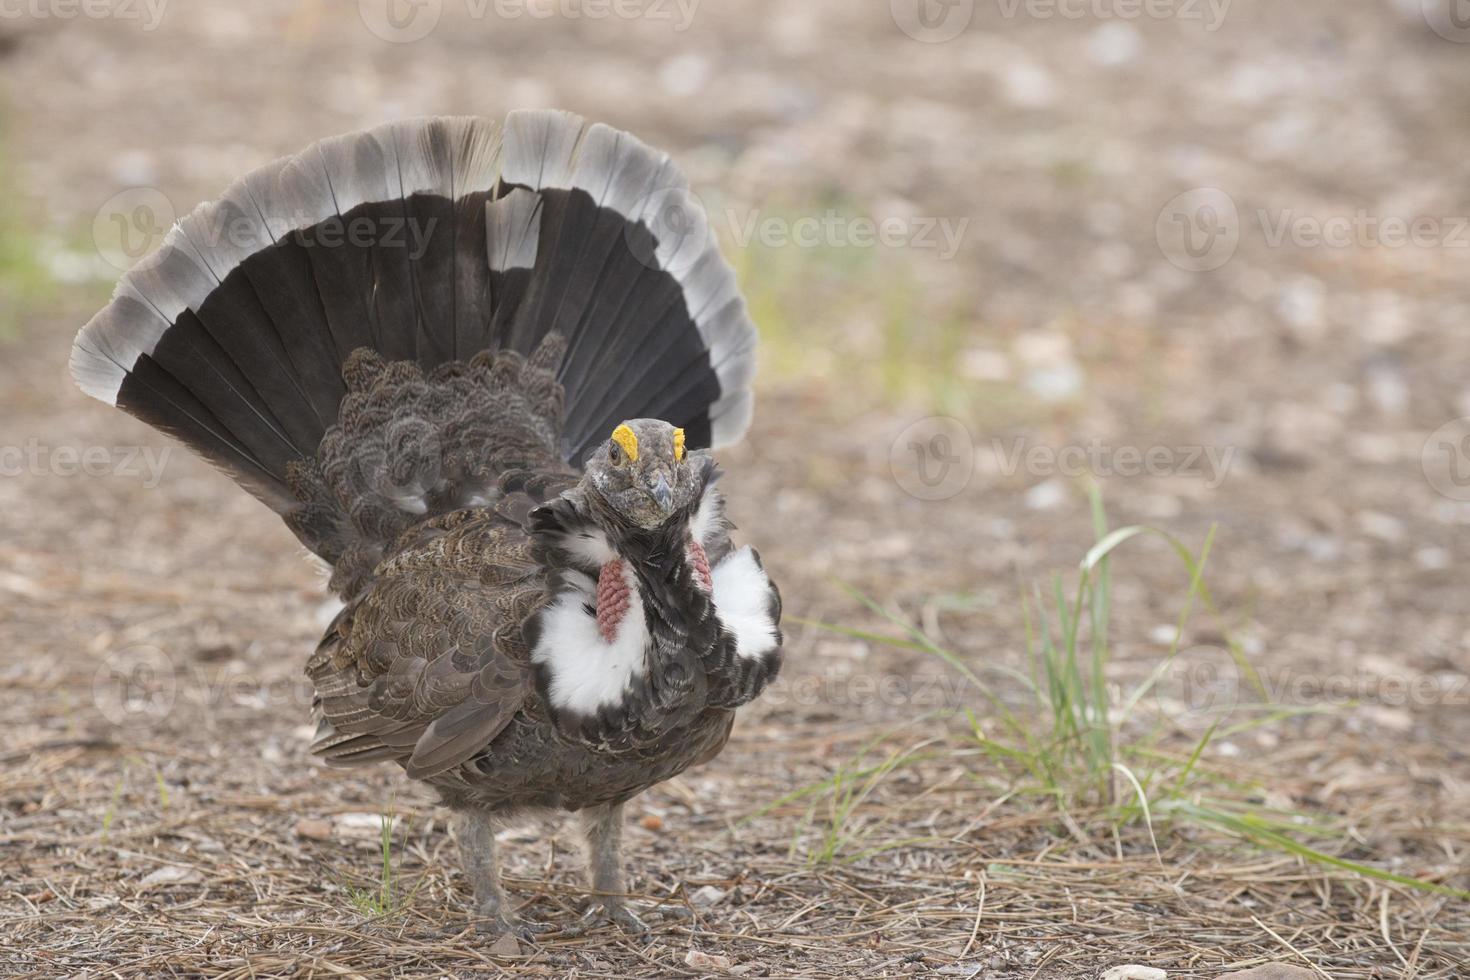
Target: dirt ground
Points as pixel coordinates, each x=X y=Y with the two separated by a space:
x=1229 y=238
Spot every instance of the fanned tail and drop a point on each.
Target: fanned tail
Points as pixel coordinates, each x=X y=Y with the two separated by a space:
x=428 y=241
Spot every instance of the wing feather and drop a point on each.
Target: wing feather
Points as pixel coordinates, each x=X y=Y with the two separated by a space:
x=431 y=664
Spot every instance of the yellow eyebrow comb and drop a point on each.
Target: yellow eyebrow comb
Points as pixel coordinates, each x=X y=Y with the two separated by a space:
x=624 y=437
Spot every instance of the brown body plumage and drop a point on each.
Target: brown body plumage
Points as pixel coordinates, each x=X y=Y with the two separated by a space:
x=438 y=634
x=498 y=441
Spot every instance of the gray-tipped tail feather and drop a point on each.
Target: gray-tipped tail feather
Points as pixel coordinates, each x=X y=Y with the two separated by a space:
x=427 y=241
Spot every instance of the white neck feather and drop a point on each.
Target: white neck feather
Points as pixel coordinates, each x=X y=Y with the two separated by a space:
x=587 y=672
x=742 y=596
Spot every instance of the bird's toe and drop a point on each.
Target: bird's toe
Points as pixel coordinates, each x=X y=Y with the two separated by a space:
x=602 y=914
x=495 y=927
x=627 y=920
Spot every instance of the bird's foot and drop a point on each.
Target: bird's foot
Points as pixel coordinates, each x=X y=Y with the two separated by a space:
x=603 y=912
x=615 y=912
x=496 y=925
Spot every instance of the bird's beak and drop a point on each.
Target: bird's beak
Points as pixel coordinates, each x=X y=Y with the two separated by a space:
x=662 y=493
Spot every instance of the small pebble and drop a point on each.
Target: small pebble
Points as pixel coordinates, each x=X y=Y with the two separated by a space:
x=1134 y=972
x=367 y=826
x=707 y=896
x=1046 y=496
x=1164 y=634
x=171 y=874
x=1272 y=971
x=314 y=829
x=1432 y=559
x=1113 y=44
x=706 y=961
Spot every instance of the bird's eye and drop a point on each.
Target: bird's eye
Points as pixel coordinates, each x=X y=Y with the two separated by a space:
x=624 y=443
x=615 y=453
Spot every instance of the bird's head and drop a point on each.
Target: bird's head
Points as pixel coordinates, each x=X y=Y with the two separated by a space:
x=644 y=475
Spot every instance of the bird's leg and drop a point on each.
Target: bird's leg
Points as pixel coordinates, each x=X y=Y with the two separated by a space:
x=603 y=826
x=493 y=915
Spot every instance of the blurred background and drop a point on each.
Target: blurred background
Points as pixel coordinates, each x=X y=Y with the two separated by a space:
x=1205 y=257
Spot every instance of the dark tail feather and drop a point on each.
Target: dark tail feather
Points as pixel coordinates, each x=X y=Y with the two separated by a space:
x=630 y=274
x=426 y=241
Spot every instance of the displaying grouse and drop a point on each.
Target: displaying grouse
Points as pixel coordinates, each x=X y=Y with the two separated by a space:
x=477 y=370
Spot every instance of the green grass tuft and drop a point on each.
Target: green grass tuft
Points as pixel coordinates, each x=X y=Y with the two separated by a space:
x=1072 y=743
x=386 y=896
